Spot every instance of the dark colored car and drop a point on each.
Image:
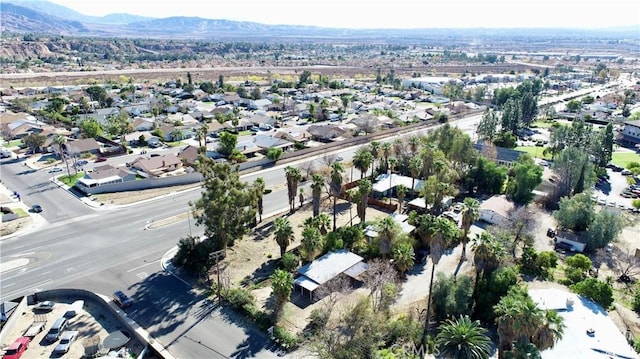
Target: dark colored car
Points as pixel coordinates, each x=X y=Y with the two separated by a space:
x=121 y=299
x=15 y=350
x=101 y=159
x=36 y=208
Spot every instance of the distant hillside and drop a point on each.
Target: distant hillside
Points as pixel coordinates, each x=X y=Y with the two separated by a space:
x=43 y=17
x=15 y=18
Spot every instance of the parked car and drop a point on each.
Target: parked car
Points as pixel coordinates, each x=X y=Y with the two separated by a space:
x=36 y=208
x=56 y=329
x=339 y=158
x=82 y=162
x=15 y=350
x=121 y=299
x=66 y=339
x=47 y=305
x=626 y=172
x=55 y=169
x=101 y=159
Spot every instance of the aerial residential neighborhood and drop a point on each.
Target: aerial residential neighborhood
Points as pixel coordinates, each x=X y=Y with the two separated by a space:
x=180 y=191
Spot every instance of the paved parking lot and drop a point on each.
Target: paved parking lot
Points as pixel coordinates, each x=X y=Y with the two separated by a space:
x=609 y=193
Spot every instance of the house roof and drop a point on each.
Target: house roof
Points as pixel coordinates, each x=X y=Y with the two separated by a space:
x=502 y=154
x=579 y=315
x=325 y=131
x=326 y=268
x=152 y=164
x=268 y=141
x=189 y=154
x=383 y=183
x=372 y=230
x=82 y=145
x=498 y=204
x=247 y=147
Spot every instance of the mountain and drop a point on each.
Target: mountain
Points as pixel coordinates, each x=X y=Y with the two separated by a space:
x=43 y=17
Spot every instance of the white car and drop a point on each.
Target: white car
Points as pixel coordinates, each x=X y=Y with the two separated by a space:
x=55 y=169
x=66 y=339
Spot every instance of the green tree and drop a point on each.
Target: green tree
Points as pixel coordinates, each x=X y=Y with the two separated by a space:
x=575 y=213
x=281 y=285
x=317 y=183
x=61 y=141
x=462 y=338
x=401 y=192
x=415 y=168
x=274 y=153
x=374 y=148
x=225 y=207
x=259 y=186
x=574 y=170
x=470 y=213
x=293 y=175
x=598 y=291
x=34 y=141
x=488 y=126
x=364 y=189
x=604 y=229
x=201 y=134
x=311 y=243
x=90 y=128
x=452 y=296
x=283 y=234
x=403 y=256
x=227 y=143
x=97 y=93
x=524 y=177
x=336 y=188
x=573 y=106
x=388 y=229
x=362 y=160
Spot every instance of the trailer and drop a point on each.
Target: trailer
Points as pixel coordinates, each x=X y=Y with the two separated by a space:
x=39 y=322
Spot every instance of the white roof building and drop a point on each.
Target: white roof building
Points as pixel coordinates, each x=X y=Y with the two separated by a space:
x=581 y=315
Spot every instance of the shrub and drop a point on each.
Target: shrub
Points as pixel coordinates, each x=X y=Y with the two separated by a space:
x=285 y=338
x=574 y=275
x=635 y=304
x=239 y=297
x=289 y=262
x=599 y=292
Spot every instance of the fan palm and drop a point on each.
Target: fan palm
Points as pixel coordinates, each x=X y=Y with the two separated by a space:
x=293 y=176
x=463 y=338
x=362 y=160
x=470 y=213
x=317 y=182
x=283 y=234
x=388 y=229
x=336 y=188
x=403 y=257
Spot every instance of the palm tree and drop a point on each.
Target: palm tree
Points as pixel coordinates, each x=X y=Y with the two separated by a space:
x=551 y=330
x=435 y=252
x=201 y=134
x=401 y=191
x=294 y=176
x=463 y=338
x=281 y=284
x=317 y=182
x=470 y=213
x=415 y=168
x=487 y=254
x=364 y=188
x=388 y=230
x=403 y=257
x=374 y=147
x=61 y=142
x=522 y=349
x=259 y=185
x=311 y=243
x=301 y=196
x=322 y=222
x=362 y=160
x=283 y=234
x=386 y=152
x=336 y=188
x=414 y=144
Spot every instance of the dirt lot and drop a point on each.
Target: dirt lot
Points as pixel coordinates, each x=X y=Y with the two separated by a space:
x=92 y=322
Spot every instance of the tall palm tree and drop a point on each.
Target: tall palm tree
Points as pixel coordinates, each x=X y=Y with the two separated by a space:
x=311 y=243
x=436 y=250
x=201 y=134
x=401 y=191
x=61 y=142
x=522 y=349
x=388 y=230
x=397 y=146
x=387 y=150
x=551 y=330
x=463 y=338
x=374 y=147
x=259 y=186
x=283 y=234
x=336 y=188
x=294 y=176
x=470 y=213
x=487 y=254
x=317 y=182
x=415 y=168
x=322 y=222
x=281 y=284
x=364 y=188
x=403 y=257
x=414 y=144
x=362 y=160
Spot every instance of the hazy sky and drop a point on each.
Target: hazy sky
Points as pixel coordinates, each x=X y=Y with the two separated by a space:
x=383 y=14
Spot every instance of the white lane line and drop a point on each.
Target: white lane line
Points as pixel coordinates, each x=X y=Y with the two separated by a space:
x=13 y=264
x=22 y=254
x=143 y=265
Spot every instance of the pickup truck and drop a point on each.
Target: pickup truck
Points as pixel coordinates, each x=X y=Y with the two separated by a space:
x=36 y=327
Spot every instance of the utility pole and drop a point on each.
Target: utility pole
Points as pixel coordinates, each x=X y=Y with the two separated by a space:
x=218 y=255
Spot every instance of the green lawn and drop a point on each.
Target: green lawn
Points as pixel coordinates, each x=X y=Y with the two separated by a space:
x=534 y=151
x=71 y=181
x=623 y=158
x=542 y=124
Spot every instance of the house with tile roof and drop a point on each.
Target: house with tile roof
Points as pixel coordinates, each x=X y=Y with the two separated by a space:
x=155 y=166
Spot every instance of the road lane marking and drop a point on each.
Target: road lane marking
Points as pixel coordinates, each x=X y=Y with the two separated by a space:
x=143 y=265
x=22 y=254
x=13 y=264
